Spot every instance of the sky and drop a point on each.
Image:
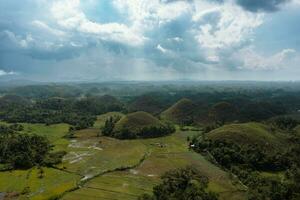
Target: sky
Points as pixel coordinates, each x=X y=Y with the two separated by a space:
x=149 y=40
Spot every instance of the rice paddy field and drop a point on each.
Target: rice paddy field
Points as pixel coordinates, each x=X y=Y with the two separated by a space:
x=97 y=167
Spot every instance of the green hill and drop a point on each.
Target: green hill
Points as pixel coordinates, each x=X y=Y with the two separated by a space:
x=99 y=104
x=146 y=103
x=181 y=112
x=12 y=100
x=136 y=121
x=247 y=134
x=140 y=125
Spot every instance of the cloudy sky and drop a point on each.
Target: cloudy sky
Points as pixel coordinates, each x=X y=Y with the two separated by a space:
x=100 y=40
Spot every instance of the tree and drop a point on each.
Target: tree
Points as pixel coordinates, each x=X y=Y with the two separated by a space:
x=109 y=125
x=23 y=151
x=182 y=184
x=285 y=123
x=222 y=112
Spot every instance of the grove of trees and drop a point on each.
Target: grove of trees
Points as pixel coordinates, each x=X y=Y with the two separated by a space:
x=182 y=184
x=23 y=151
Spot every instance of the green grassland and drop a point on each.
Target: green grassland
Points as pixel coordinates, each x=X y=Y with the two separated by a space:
x=114 y=186
x=163 y=154
x=107 y=168
x=53 y=183
x=89 y=157
x=52 y=132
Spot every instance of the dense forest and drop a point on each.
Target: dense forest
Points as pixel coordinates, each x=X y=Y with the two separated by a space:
x=79 y=112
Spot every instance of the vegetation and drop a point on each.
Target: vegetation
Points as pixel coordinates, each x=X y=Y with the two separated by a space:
x=135 y=166
x=37 y=183
x=136 y=125
x=79 y=113
x=25 y=151
x=222 y=112
x=246 y=150
x=181 y=112
x=97 y=105
x=285 y=123
x=182 y=184
x=147 y=103
x=109 y=125
x=249 y=144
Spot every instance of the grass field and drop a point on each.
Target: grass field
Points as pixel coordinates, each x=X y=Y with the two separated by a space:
x=91 y=156
x=52 y=132
x=164 y=154
x=111 y=169
x=114 y=186
x=53 y=184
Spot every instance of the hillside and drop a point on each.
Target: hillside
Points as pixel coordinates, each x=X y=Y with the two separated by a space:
x=297 y=129
x=181 y=112
x=146 y=103
x=136 y=125
x=247 y=134
x=7 y=100
x=262 y=150
x=136 y=121
x=99 y=104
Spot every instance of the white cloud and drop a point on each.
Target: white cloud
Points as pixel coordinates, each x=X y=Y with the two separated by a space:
x=255 y=61
x=176 y=39
x=19 y=41
x=142 y=15
x=45 y=27
x=161 y=49
x=213 y=58
x=5 y=73
x=297 y=2
x=70 y=16
x=145 y=14
x=228 y=25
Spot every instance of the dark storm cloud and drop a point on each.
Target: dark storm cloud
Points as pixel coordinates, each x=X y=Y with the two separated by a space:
x=258 y=5
x=261 y=5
